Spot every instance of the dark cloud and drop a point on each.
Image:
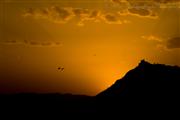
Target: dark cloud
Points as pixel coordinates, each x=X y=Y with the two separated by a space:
x=80 y=12
x=163 y=43
x=30 y=11
x=11 y=41
x=166 y=1
x=173 y=43
x=59 y=14
x=58 y=43
x=141 y=12
x=86 y=15
x=146 y=1
x=111 y=19
x=46 y=44
x=94 y=14
x=55 y=14
x=143 y=8
x=63 y=15
x=33 y=43
x=43 y=43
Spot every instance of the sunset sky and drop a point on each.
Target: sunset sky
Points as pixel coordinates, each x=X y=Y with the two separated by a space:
x=95 y=41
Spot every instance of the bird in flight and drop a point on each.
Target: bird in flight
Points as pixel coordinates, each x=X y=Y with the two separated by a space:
x=60 y=68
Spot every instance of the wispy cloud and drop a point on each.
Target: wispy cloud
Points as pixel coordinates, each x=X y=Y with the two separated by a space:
x=173 y=43
x=152 y=38
x=33 y=43
x=164 y=43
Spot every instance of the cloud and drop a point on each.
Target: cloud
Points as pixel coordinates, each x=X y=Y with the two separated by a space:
x=166 y=1
x=33 y=43
x=139 y=11
x=81 y=12
x=63 y=15
x=43 y=43
x=143 y=8
x=55 y=14
x=145 y=1
x=152 y=38
x=86 y=15
x=11 y=41
x=111 y=19
x=58 y=14
x=164 y=43
x=173 y=43
x=97 y=16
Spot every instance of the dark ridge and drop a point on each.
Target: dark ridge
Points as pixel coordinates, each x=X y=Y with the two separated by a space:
x=159 y=83
x=147 y=80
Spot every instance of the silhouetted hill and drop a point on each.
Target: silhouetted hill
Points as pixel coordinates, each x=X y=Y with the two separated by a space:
x=147 y=80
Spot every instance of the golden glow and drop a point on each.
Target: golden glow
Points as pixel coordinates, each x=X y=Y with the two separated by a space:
x=94 y=53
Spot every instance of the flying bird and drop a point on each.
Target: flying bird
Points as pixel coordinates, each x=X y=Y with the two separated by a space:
x=60 y=68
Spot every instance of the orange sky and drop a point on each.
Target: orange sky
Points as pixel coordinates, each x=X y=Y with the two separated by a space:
x=95 y=42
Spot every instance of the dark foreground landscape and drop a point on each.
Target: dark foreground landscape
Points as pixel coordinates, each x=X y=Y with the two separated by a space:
x=148 y=86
